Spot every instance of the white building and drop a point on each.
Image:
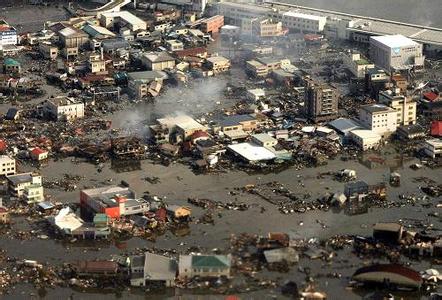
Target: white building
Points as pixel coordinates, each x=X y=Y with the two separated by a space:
x=174 y=45
x=132 y=22
x=404 y=106
x=235 y=13
x=63 y=108
x=7 y=165
x=357 y=64
x=264 y=140
x=8 y=34
x=396 y=52
x=303 y=22
x=365 y=139
x=26 y=185
x=379 y=118
x=433 y=147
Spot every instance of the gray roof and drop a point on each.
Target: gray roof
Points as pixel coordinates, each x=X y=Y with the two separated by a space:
x=343 y=125
x=158 y=267
x=234 y=120
x=147 y=75
x=375 y=108
x=20 y=178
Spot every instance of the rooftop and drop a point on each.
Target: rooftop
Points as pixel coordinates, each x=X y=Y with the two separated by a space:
x=377 y=108
x=63 y=100
x=394 y=41
x=125 y=15
x=303 y=16
x=365 y=134
x=211 y=261
x=252 y=152
x=184 y=122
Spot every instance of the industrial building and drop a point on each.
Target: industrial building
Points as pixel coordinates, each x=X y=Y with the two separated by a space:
x=396 y=52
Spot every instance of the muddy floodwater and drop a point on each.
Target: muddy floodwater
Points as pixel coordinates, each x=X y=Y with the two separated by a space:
x=177 y=183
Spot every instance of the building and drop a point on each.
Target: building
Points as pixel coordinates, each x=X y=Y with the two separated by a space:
x=153 y=268
x=7 y=166
x=8 y=34
x=71 y=37
x=213 y=24
x=264 y=140
x=379 y=118
x=140 y=82
x=62 y=108
x=394 y=274
x=114 y=201
x=365 y=139
x=357 y=64
x=218 y=64
x=245 y=123
x=251 y=153
x=409 y=132
x=39 y=154
x=48 y=50
x=4 y=215
x=10 y=65
x=27 y=186
x=404 y=106
x=320 y=101
x=376 y=80
x=97 y=64
x=256 y=69
x=204 y=266
x=157 y=61
x=303 y=22
x=180 y=128
x=433 y=147
x=234 y=13
x=396 y=52
x=174 y=45
x=121 y=19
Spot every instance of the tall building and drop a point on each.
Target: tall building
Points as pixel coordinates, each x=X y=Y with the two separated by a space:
x=396 y=52
x=321 y=101
x=379 y=118
x=303 y=22
x=404 y=106
x=8 y=34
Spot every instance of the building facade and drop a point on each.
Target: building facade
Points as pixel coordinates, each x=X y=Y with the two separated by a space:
x=403 y=105
x=321 y=101
x=63 y=108
x=379 y=118
x=7 y=166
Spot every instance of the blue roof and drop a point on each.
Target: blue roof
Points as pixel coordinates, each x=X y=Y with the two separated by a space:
x=235 y=120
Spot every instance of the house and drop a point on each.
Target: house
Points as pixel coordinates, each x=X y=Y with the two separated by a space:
x=410 y=132
x=96 y=268
x=152 y=268
x=218 y=64
x=436 y=128
x=177 y=212
x=246 y=123
x=204 y=266
x=7 y=165
x=433 y=147
x=62 y=108
x=157 y=61
x=10 y=65
x=39 y=154
x=139 y=82
x=256 y=94
x=27 y=186
x=114 y=201
x=174 y=45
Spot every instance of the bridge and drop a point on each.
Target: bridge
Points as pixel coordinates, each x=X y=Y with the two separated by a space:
x=374 y=26
x=112 y=6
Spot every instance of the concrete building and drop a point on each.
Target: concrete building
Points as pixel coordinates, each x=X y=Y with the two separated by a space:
x=357 y=64
x=48 y=50
x=365 y=139
x=62 y=108
x=71 y=37
x=122 y=19
x=7 y=166
x=157 y=61
x=235 y=13
x=264 y=140
x=433 y=147
x=303 y=22
x=218 y=64
x=379 y=118
x=181 y=127
x=29 y=184
x=139 y=82
x=204 y=266
x=174 y=45
x=213 y=24
x=8 y=34
x=261 y=28
x=405 y=106
x=396 y=52
x=114 y=201
x=97 y=64
x=321 y=101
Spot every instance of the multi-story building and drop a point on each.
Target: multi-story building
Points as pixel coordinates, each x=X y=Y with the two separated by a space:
x=433 y=147
x=396 y=52
x=114 y=201
x=26 y=185
x=357 y=64
x=48 y=50
x=405 y=106
x=122 y=19
x=7 y=165
x=261 y=27
x=97 y=64
x=235 y=13
x=320 y=101
x=212 y=24
x=379 y=118
x=62 y=108
x=139 y=82
x=158 y=61
x=218 y=64
x=303 y=22
x=8 y=34
x=71 y=37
